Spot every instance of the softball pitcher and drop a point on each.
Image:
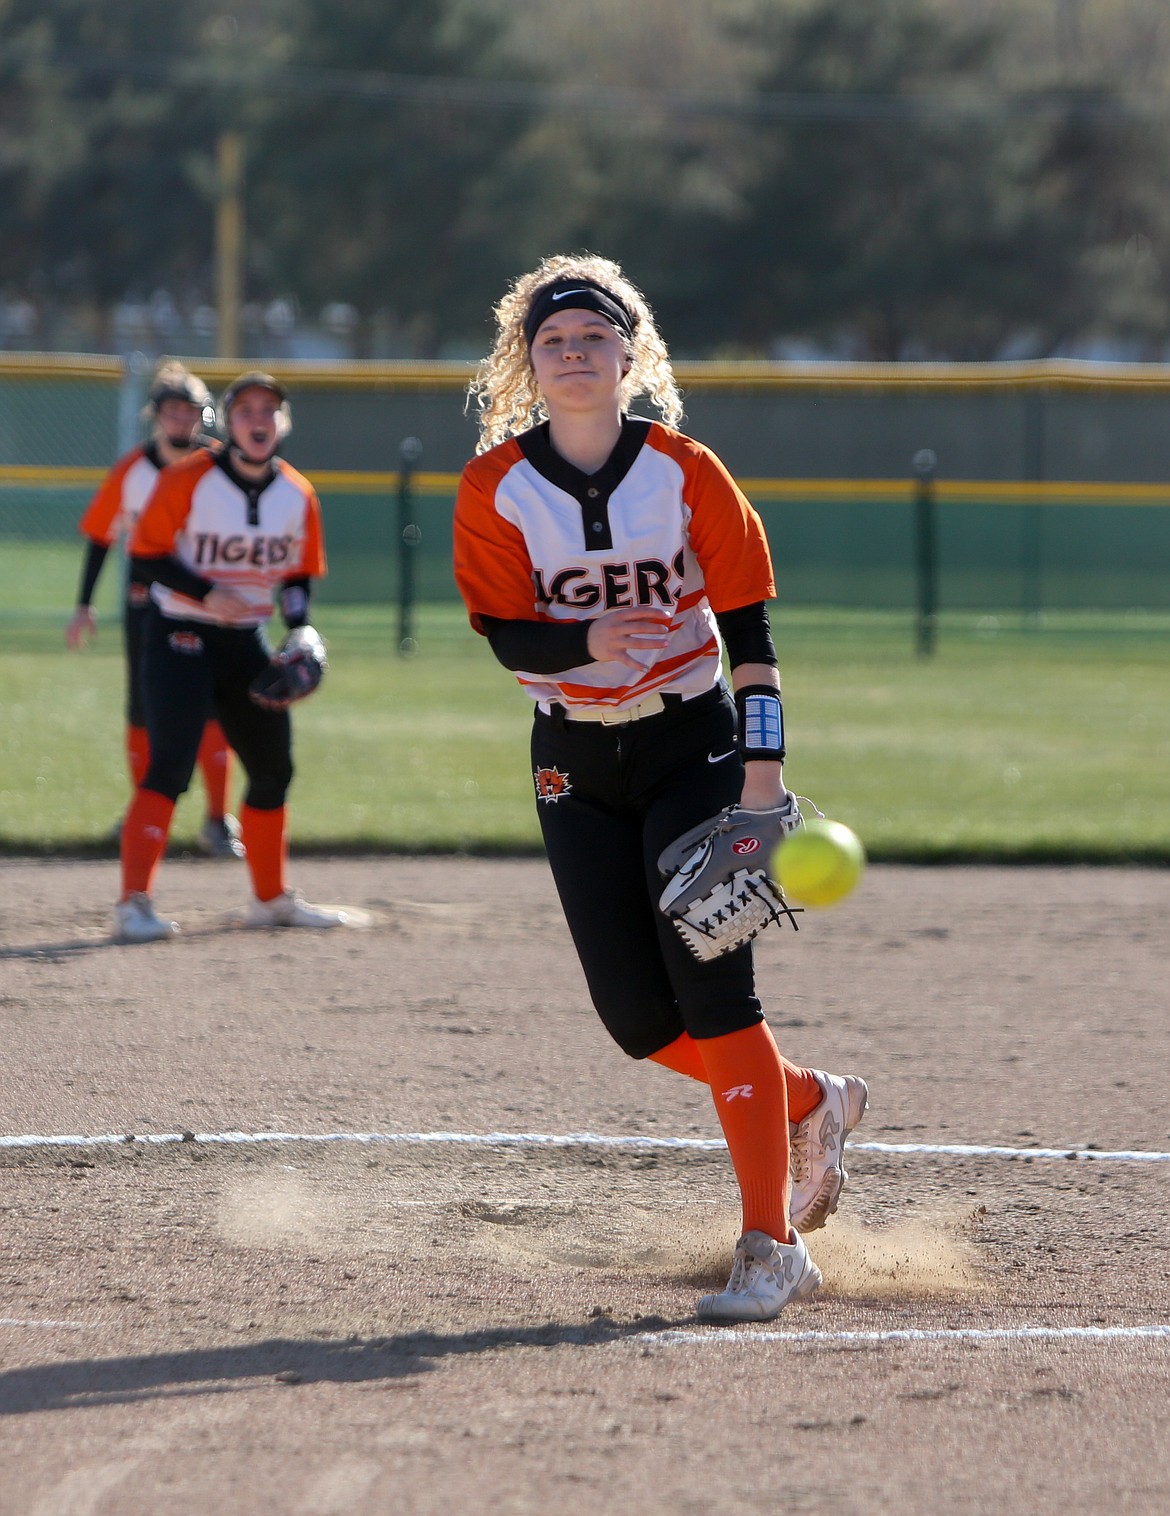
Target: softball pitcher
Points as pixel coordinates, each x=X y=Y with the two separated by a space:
x=178 y=408
x=608 y=560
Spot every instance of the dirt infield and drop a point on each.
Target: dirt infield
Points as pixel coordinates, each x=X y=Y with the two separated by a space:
x=292 y=1326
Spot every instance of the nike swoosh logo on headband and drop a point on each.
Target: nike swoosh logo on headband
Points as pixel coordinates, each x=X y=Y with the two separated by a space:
x=564 y=294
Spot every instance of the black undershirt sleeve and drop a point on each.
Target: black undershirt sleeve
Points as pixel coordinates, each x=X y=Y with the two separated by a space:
x=538 y=647
x=551 y=647
x=95 y=556
x=747 y=635
x=171 y=573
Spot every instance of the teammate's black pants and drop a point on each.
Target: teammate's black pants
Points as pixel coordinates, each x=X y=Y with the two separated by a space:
x=192 y=671
x=628 y=791
x=134 y=631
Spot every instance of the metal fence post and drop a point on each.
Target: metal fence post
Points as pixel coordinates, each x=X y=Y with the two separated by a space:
x=409 y=537
x=1031 y=570
x=131 y=395
x=925 y=465
x=136 y=368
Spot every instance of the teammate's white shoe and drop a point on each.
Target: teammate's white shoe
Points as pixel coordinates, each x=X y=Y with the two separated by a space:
x=291 y=910
x=135 y=921
x=219 y=837
x=766 y=1276
x=817 y=1165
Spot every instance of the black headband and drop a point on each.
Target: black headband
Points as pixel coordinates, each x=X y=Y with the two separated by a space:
x=566 y=294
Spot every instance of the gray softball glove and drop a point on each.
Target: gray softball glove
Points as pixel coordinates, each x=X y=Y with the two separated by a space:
x=718 y=892
x=297 y=668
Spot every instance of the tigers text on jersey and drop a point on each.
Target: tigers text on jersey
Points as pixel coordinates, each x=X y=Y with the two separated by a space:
x=114 y=510
x=247 y=538
x=662 y=524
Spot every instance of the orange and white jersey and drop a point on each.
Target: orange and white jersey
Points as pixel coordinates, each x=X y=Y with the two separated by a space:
x=663 y=524
x=114 y=510
x=249 y=538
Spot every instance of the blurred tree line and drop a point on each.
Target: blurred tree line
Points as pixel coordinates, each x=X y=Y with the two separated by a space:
x=873 y=178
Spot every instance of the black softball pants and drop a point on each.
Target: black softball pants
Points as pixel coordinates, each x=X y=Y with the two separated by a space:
x=191 y=671
x=625 y=793
x=134 y=632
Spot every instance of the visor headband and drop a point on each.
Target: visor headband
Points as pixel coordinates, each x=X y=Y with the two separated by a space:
x=580 y=295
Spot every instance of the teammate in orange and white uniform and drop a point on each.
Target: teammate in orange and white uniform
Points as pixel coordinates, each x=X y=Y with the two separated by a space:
x=178 y=408
x=608 y=560
x=222 y=540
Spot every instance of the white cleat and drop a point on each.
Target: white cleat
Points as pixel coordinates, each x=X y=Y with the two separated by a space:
x=817 y=1164
x=220 y=838
x=135 y=921
x=766 y=1276
x=291 y=910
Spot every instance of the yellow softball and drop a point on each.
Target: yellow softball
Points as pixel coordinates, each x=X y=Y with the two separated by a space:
x=820 y=863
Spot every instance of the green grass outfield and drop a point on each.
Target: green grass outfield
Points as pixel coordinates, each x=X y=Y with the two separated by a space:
x=1020 y=743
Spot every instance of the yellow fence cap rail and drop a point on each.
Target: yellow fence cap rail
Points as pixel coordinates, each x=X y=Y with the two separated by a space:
x=1040 y=374
x=97 y=367
x=1051 y=374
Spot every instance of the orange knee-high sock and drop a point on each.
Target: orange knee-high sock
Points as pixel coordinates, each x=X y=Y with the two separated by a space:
x=144 y=840
x=213 y=765
x=804 y=1093
x=747 y=1085
x=137 y=753
x=265 y=838
x=683 y=1056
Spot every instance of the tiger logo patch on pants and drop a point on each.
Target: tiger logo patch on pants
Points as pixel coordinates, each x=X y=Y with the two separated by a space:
x=552 y=785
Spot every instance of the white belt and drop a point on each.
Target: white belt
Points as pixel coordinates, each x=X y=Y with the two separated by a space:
x=612 y=715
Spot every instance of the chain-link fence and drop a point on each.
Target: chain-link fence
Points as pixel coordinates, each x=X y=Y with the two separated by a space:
x=1050 y=484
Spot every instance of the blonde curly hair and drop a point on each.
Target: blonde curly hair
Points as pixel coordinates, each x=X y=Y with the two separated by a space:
x=504 y=389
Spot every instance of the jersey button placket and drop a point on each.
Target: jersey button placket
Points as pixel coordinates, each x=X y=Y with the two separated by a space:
x=594 y=502
x=596 y=526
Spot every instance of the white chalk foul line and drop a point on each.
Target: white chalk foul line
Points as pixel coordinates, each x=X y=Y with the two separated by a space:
x=73 y=1326
x=566 y=1140
x=972 y=1150
x=718 y=1336
x=459 y=1139
x=725 y=1336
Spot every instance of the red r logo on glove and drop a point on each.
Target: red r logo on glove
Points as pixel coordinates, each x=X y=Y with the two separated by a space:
x=746 y=845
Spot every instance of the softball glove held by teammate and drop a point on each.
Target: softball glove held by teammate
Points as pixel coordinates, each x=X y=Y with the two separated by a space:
x=718 y=893
x=297 y=668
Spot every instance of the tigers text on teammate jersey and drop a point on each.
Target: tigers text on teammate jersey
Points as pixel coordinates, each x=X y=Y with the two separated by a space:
x=249 y=537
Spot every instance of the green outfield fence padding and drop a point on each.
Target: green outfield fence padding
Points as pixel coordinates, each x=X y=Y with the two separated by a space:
x=1053 y=482
x=362 y=537
x=69 y=418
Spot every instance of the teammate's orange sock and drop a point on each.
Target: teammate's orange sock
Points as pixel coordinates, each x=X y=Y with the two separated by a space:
x=265 y=838
x=214 y=756
x=747 y=1083
x=137 y=753
x=144 y=840
x=683 y=1056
